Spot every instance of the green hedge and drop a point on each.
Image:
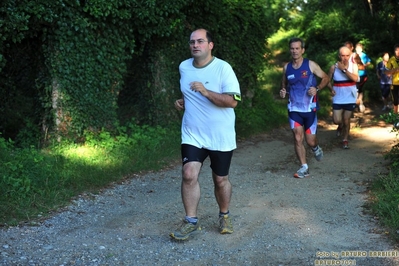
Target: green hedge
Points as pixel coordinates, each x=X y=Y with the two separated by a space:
x=87 y=65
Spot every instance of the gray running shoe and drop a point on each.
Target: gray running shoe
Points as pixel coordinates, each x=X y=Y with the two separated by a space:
x=185 y=231
x=302 y=172
x=225 y=225
x=318 y=154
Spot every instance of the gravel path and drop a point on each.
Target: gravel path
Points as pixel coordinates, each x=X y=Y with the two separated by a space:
x=278 y=220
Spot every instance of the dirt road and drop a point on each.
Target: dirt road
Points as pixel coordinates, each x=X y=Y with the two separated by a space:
x=278 y=220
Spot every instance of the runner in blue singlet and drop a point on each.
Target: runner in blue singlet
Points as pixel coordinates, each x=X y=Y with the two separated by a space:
x=299 y=82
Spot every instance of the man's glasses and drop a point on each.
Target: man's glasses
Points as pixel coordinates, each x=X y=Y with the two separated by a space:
x=199 y=41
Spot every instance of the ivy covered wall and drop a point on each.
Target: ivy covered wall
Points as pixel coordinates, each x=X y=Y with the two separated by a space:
x=70 y=66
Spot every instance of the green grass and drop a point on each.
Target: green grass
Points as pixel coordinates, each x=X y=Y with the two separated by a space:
x=33 y=183
x=385 y=190
x=265 y=110
x=385 y=202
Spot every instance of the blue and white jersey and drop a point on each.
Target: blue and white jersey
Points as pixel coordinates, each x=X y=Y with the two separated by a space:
x=299 y=81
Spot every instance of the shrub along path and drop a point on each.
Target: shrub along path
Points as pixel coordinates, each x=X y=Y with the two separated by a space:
x=278 y=220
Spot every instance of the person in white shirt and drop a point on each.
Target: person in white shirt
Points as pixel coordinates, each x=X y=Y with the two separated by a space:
x=210 y=91
x=344 y=74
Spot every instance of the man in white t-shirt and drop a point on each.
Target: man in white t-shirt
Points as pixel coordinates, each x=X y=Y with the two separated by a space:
x=344 y=74
x=210 y=93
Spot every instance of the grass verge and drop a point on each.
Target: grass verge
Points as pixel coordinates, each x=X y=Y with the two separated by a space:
x=385 y=203
x=33 y=183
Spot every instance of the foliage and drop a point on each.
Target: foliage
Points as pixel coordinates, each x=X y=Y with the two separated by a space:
x=35 y=182
x=385 y=189
x=86 y=51
x=87 y=65
x=239 y=29
x=385 y=198
x=326 y=25
x=97 y=64
x=264 y=115
x=393 y=155
x=71 y=49
x=104 y=74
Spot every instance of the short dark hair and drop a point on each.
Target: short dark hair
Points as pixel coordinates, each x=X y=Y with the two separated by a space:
x=396 y=46
x=296 y=39
x=209 y=35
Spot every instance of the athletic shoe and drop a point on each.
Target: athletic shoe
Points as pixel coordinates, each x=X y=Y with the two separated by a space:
x=339 y=129
x=362 y=108
x=185 y=230
x=345 y=144
x=225 y=225
x=318 y=154
x=302 y=172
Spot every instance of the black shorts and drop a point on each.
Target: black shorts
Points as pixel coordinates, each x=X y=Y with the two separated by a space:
x=220 y=160
x=345 y=106
x=385 y=90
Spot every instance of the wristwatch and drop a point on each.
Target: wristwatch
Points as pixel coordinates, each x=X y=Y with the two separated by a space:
x=343 y=70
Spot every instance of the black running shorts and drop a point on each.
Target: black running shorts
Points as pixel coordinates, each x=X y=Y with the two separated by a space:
x=220 y=160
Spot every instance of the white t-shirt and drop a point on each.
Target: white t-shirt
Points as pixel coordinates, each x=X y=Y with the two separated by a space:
x=206 y=125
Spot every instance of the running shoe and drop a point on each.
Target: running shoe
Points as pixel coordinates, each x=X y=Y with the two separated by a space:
x=362 y=108
x=302 y=172
x=339 y=129
x=225 y=225
x=318 y=154
x=345 y=144
x=185 y=231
